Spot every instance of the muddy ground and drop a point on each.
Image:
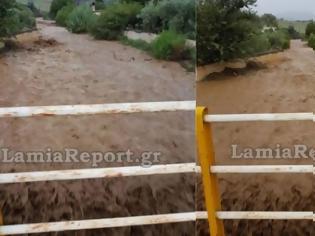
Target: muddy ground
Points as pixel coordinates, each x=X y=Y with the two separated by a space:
x=55 y=67
x=285 y=83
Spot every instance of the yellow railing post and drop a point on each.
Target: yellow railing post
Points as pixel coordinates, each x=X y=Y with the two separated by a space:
x=210 y=183
x=1 y=219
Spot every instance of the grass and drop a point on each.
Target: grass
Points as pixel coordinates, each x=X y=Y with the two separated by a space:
x=43 y=5
x=300 y=26
x=1 y=45
x=189 y=65
x=139 y=44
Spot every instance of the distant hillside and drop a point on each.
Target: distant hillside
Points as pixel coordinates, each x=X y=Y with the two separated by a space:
x=43 y=5
x=300 y=26
x=296 y=16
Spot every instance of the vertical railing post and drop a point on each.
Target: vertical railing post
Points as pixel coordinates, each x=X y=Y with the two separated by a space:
x=210 y=183
x=1 y=219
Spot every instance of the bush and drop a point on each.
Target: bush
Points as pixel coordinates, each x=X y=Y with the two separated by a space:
x=269 y=20
x=63 y=14
x=167 y=47
x=255 y=45
x=14 y=18
x=310 y=29
x=142 y=2
x=137 y=43
x=151 y=20
x=80 y=19
x=99 y=5
x=34 y=9
x=170 y=46
x=223 y=29
x=175 y=15
x=115 y=19
x=279 y=40
x=57 y=5
x=311 y=41
x=293 y=33
x=25 y=17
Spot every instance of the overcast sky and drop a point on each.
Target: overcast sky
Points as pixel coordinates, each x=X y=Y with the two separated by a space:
x=282 y=8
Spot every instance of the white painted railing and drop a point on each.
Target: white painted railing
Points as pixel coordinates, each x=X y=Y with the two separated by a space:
x=120 y=108
x=261 y=117
x=97 y=173
x=215 y=217
x=59 y=175
x=148 y=220
x=115 y=108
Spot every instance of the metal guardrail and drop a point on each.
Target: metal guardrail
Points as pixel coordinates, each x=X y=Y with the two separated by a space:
x=260 y=117
x=95 y=173
x=94 y=109
x=210 y=182
x=119 y=108
x=207 y=168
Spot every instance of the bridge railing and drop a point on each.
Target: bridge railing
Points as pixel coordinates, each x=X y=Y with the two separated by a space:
x=210 y=169
x=78 y=174
x=207 y=167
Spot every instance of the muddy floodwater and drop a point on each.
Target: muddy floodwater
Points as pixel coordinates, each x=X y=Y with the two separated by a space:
x=284 y=83
x=55 y=67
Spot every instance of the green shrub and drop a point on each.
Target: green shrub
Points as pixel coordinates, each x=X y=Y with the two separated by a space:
x=279 y=40
x=137 y=43
x=114 y=20
x=150 y=16
x=14 y=18
x=311 y=41
x=57 y=5
x=9 y=22
x=99 y=5
x=79 y=19
x=34 y=9
x=255 y=45
x=25 y=16
x=310 y=29
x=269 y=20
x=127 y=11
x=63 y=14
x=170 y=46
x=223 y=29
x=293 y=33
x=175 y=15
x=143 y=2
x=2 y=45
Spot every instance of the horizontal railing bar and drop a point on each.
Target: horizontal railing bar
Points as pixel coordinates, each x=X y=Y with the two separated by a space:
x=251 y=169
x=96 y=173
x=260 y=117
x=114 y=108
x=265 y=215
x=97 y=224
x=150 y=220
x=111 y=172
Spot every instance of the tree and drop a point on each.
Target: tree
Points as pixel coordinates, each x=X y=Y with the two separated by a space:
x=310 y=29
x=8 y=18
x=57 y=5
x=269 y=20
x=222 y=28
x=293 y=33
